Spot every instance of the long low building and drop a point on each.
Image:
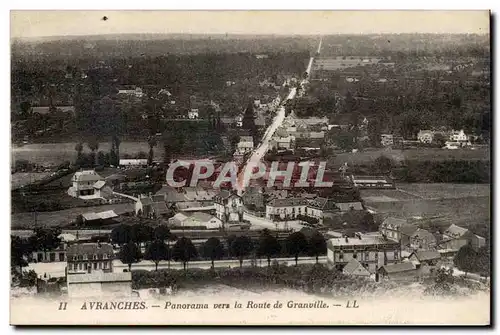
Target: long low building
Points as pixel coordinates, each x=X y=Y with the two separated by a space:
x=99 y=284
x=378 y=182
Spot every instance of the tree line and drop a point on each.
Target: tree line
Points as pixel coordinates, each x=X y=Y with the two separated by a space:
x=131 y=239
x=239 y=247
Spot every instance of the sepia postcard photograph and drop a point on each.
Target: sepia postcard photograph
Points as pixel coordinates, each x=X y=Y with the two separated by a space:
x=308 y=168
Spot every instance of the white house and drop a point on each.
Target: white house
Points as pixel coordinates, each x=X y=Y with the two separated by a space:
x=426 y=136
x=195 y=219
x=372 y=251
x=460 y=137
x=283 y=143
x=193 y=113
x=398 y=230
x=287 y=208
x=245 y=145
x=137 y=92
x=228 y=207
x=148 y=207
x=387 y=140
x=83 y=183
x=452 y=145
x=317 y=208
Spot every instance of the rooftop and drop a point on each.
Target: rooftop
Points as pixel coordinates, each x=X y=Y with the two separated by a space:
x=392 y=222
x=99 y=216
x=287 y=202
x=89 y=249
x=455 y=231
x=400 y=267
x=426 y=255
x=353 y=265
x=99 y=276
x=200 y=216
x=88 y=175
x=364 y=240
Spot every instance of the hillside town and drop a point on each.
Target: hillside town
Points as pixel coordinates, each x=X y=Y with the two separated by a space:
x=350 y=193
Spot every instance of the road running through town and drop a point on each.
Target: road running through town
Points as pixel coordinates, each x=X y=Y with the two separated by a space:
x=263 y=147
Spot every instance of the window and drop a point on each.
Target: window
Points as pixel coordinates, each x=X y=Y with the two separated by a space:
x=94 y=257
x=354 y=255
x=70 y=267
x=100 y=265
x=396 y=255
x=376 y=256
x=80 y=257
x=61 y=257
x=341 y=256
x=80 y=266
x=105 y=266
x=367 y=256
x=95 y=266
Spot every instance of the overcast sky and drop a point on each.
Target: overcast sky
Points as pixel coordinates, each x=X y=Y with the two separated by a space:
x=57 y=23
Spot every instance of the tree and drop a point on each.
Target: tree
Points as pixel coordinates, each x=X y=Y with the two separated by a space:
x=383 y=164
x=45 y=239
x=296 y=244
x=152 y=143
x=141 y=233
x=121 y=234
x=483 y=262
x=268 y=246
x=19 y=248
x=317 y=245
x=248 y=121
x=130 y=253
x=116 y=144
x=157 y=251
x=465 y=259
x=440 y=140
x=410 y=123
x=213 y=249
x=233 y=140
x=241 y=247
x=344 y=140
x=163 y=233
x=79 y=150
x=184 y=251
x=374 y=131
x=93 y=145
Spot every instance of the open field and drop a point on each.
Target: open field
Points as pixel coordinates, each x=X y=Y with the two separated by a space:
x=447 y=191
x=56 y=153
x=411 y=154
x=462 y=204
x=19 y=179
x=64 y=217
x=429 y=191
x=463 y=212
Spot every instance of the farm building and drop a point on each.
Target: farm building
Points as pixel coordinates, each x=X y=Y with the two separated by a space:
x=133 y=162
x=377 y=182
x=102 y=218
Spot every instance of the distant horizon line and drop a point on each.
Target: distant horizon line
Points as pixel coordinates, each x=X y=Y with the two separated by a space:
x=245 y=34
